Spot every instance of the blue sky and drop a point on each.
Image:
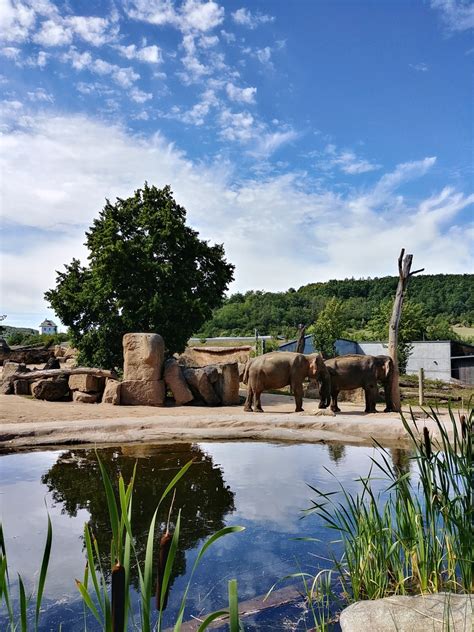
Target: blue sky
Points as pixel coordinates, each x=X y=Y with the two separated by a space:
x=313 y=138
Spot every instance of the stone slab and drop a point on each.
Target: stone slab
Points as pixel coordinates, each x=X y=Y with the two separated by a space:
x=144 y=356
x=175 y=381
x=421 y=613
x=85 y=398
x=111 y=394
x=142 y=392
x=86 y=383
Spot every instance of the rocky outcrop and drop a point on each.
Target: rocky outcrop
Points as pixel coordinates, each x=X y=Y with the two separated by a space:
x=436 y=613
x=142 y=392
x=176 y=382
x=228 y=384
x=51 y=390
x=201 y=387
x=85 y=398
x=144 y=356
x=111 y=394
x=86 y=383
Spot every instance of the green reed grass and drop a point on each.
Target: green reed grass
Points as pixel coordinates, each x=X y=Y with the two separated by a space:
x=414 y=537
x=113 y=613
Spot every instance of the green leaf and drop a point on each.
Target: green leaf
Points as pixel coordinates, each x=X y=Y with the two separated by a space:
x=43 y=571
x=23 y=605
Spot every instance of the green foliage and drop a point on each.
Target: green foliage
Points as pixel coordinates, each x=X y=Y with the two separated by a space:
x=279 y=313
x=418 y=536
x=328 y=327
x=147 y=271
x=25 y=339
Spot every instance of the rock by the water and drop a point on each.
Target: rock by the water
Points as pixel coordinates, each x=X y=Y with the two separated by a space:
x=228 y=384
x=175 y=381
x=85 y=398
x=421 y=613
x=201 y=386
x=21 y=387
x=142 y=392
x=86 y=383
x=111 y=394
x=144 y=356
x=51 y=390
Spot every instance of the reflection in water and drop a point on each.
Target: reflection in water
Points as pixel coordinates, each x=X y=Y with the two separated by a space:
x=400 y=461
x=75 y=482
x=337 y=452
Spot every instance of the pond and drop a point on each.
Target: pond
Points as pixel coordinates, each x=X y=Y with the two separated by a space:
x=261 y=486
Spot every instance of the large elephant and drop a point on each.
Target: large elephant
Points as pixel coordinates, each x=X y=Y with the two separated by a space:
x=361 y=371
x=276 y=370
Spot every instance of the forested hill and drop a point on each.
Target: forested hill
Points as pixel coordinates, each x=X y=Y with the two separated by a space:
x=447 y=296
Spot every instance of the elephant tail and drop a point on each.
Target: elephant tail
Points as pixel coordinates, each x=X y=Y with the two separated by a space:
x=245 y=378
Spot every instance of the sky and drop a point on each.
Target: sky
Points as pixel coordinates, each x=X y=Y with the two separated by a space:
x=314 y=139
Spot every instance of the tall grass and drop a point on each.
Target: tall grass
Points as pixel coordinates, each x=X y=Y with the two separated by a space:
x=109 y=602
x=417 y=535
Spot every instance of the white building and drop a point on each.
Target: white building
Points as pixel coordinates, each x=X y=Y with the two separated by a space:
x=48 y=327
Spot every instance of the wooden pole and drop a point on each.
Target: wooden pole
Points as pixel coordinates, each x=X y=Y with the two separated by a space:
x=300 y=345
x=404 y=273
x=421 y=386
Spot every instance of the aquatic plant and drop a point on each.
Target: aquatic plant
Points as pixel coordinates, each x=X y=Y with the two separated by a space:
x=113 y=612
x=417 y=536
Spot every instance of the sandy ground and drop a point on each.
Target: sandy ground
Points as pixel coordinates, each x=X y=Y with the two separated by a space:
x=26 y=422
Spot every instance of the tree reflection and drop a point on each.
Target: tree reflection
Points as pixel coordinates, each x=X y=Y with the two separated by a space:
x=337 y=452
x=400 y=461
x=75 y=482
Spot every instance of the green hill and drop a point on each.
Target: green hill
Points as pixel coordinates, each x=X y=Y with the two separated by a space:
x=447 y=296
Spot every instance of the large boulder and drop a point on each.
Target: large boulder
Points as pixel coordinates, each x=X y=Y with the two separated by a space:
x=86 y=383
x=201 y=386
x=111 y=394
x=142 y=392
x=175 y=381
x=21 y=387
x=143 y=356
x=9 y=368
x=228 y=384
x=51 y=390
x=52 y=363
x=85 y=398
x=436 y=613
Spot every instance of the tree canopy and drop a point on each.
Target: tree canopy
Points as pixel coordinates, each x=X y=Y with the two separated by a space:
x=147 y=271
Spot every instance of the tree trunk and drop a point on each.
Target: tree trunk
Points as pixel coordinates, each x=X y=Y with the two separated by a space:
x=404 y=267
x=300 y=345
x=36 y=375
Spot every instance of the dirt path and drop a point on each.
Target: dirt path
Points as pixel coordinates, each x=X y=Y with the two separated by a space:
x=26 y=422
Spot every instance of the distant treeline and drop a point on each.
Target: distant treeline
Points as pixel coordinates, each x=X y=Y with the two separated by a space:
x=450 y=296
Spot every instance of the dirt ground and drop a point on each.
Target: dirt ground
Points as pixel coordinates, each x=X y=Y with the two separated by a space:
x=26 y=422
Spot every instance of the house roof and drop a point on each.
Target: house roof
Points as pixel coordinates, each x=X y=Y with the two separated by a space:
x=48 y=323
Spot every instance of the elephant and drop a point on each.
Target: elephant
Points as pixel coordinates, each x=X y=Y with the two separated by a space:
x=276 y=370
x=360 y=371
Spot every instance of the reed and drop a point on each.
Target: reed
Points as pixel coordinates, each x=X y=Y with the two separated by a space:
x=417 y=535
x=109 y=602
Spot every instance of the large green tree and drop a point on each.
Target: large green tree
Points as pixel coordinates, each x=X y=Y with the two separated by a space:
x=147 y=271
x=328 y=327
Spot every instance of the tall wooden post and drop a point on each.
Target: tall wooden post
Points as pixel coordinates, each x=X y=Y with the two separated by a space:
x=300 y=345
x=421 y=389
x=404 y=267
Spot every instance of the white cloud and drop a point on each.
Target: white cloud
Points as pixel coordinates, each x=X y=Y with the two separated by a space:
x=148 y=54
x=244 y=17
x=193 y=15
x=278 y=232
x=269 y=142
x=11 y=52
x=347 y=161
x=53 y=33
x=241 y=95
x=124 y=77
x=159 y=12
x=16 y=20
x=139 y=96
x=458 y=15
x=420 y=67
x=198 y=113
x=201 y=16
x=94 y=30
x=40 y=94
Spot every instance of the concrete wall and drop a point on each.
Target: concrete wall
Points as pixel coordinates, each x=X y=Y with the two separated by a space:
x=433 y=357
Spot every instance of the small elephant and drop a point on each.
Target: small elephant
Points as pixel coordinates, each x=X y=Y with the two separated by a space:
x=276 y=370
x=361 y=371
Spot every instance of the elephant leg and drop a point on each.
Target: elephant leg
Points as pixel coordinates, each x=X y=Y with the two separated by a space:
x=324 y=394
x=370 y=396
x=334 y=407
x=248 y=401
x=298 y=394
x=258 y=403
x=387 y=388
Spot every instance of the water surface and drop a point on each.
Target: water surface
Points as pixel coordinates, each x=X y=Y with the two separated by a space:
x=261 y=486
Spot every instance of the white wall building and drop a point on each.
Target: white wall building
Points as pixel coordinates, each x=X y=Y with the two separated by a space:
x=48 y=327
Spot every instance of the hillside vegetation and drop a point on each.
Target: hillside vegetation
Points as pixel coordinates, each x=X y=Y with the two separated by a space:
x=445 y=299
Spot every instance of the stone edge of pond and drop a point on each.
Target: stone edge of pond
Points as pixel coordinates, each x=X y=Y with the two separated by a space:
x=419 y=613
x=166 y=428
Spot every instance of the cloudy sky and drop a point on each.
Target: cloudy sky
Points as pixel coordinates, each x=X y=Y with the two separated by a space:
x=313 y=138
